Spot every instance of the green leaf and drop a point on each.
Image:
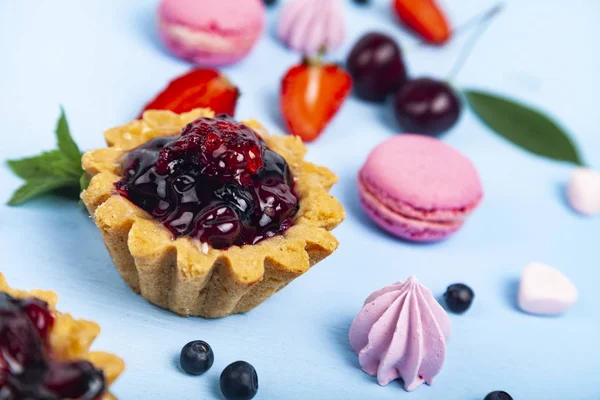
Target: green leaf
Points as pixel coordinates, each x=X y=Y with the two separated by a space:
x=39 y=166
x=84 y=181
x=66 y=144
x=527 y=128
x=37 y=187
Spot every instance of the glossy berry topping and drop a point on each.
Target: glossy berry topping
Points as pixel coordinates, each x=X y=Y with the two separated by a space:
x=217 y=182
x=239 y=381
x=196 y=357
x=27 y=370
x=498 y=395
x=426 y=106
x=376 y=66
x=459 y=297
x=74 y=380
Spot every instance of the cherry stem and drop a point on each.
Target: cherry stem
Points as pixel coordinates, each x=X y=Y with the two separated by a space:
x=483 y=21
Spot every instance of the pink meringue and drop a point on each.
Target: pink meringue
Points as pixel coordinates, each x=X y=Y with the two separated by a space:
x=308 y=26
x=401 y=332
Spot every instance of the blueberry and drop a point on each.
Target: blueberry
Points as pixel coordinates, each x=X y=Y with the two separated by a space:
x=361 y=1
x=498 y=395
x=459 y=297
x=269 y=3
x=196 y=357
x=239 y=381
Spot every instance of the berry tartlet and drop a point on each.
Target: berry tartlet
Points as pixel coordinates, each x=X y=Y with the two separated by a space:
x=206 y=216
x=45 y=354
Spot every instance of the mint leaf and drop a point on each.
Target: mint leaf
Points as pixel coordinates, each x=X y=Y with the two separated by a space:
x=49 y=171
x=522 y=125
x=66 y=169
x=66 y=144
x=36 y=167
x=36 y=187
x=84 y=181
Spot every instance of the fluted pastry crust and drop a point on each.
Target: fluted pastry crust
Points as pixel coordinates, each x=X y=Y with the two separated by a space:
x=70 y=338
x=177 y=274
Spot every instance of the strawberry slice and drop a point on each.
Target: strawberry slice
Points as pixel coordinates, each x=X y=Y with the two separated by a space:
x=197 y=88
x=311 y=94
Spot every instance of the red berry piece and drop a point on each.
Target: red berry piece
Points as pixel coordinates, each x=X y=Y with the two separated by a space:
x=38 y=312
x=199 y=88
x=224 y=149
x=426 y=106
x=376 y=66
x=311 y=95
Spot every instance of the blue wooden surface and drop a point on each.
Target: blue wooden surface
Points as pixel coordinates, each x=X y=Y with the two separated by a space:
x=102 y=61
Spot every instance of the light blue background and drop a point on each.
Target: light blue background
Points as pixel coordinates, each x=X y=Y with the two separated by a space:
x=102 y=61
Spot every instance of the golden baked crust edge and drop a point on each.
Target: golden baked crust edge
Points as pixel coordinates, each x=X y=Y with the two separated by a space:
x=177 y=274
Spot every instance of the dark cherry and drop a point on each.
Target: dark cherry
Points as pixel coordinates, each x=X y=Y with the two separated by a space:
x=498 y=395
x=217 y=182
x=376 y=66
x=426 y=106
x=239 y=381
x=26 y=369
x=459 y=297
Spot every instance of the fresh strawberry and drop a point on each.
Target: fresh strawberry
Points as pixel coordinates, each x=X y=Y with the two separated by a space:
x=197 y=88
x=311 y=94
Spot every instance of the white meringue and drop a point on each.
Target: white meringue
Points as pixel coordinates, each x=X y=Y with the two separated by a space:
x=545 y=290
x=583 y=191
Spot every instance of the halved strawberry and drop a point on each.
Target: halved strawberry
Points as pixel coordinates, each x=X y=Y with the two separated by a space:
x=197 y=88
x=311 y=94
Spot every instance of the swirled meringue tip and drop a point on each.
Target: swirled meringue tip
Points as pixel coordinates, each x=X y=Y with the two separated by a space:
x=309 y=26
x=401 y=332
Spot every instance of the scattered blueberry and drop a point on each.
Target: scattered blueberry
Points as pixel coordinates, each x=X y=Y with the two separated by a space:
x=196 y=357
x=361 y=1
x=269 y=3
x=459 y=297
x=239 y=381
x=498 y=395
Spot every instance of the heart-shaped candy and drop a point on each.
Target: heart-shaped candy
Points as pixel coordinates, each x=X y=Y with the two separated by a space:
x=545 y=290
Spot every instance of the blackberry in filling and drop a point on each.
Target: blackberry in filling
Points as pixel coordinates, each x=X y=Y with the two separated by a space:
x=27 y=368
x=217 y=182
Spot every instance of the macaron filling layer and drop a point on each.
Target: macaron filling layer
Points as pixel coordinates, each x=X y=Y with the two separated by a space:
x=196 y=42
x=406 y=225
x=411 y=211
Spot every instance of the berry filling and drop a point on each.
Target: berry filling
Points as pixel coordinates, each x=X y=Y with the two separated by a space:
x=27 y=369
x=217 y=182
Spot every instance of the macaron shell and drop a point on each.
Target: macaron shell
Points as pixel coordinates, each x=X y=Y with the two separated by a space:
x=211 y=33
x=228 y=16
x=423 y=173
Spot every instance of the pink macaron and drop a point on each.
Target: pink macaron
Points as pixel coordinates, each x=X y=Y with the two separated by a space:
x=211 y=33
x=418 y=188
